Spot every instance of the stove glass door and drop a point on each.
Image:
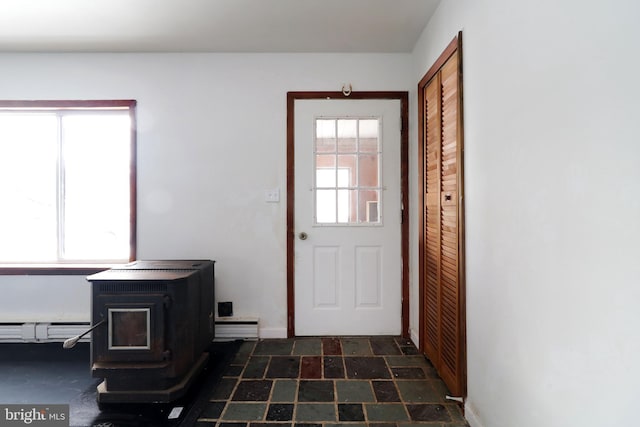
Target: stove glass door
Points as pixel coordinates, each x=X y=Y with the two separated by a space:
x=129 y=329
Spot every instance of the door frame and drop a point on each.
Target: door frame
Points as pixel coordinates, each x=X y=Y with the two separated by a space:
x=403 y=97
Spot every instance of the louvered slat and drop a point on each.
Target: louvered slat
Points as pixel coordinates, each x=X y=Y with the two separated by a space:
x=432 y=213
x=449 y=312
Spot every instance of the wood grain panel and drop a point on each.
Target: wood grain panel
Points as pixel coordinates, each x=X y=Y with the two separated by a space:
x=432 y=213
x=442 y=315
x=449 y=313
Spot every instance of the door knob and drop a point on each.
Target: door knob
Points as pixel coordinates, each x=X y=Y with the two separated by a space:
x=303 y=236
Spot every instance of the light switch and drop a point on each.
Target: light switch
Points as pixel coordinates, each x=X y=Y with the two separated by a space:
x=272 y=196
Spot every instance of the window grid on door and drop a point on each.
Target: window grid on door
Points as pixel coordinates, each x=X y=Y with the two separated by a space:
x=347 y=171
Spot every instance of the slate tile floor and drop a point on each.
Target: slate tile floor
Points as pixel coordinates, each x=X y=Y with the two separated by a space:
x=314 y=382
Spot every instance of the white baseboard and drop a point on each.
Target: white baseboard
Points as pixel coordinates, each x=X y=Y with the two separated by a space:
x=470 y=415
x=266 y=333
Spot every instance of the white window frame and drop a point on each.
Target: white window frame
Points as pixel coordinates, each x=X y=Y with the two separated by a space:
x=71 y=266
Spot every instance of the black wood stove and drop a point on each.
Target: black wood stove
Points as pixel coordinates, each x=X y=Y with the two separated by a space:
x=158 y=325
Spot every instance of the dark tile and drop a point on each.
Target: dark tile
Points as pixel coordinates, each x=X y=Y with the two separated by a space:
x=350 y=412
x=408 y=373
x=403 y=341
x=430 y=371
x=333 y=367
x=244 y=411
x=308 y=346
x=316 y=391
x=256 y=367
x=356 y=347
x=270 y=425
x=409 y=350
x=331 y=347
x=311 y=367
x=223 y=389
x=407 y=360
x=240 y=359
x=274 y=347
x=284 y=391
x=213 y=410
x=354 y=391
x=201 y=423
x=280 y=412
x=455 y=411
x=316 y=412
x=284 y=367
x=366 y=368
x=232 y=425
x=233 y=371
x=385 y=391
x=307 y=425
x=253 y=390
x=246 y=347
x=428 y=412
x=393 y=412
x=384 y=346
x=418 y=391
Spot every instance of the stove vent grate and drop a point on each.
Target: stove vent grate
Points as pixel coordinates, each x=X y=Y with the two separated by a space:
x=128 y=287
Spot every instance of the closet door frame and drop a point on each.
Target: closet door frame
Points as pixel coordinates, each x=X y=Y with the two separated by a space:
x=454 y=46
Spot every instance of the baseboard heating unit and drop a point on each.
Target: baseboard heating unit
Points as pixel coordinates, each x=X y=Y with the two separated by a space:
x=236 y=328
x=42 y=331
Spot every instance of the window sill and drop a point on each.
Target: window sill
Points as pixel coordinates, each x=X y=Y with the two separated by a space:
x=52 y=269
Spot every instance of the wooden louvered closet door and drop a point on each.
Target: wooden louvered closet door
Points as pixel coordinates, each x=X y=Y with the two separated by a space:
x=443 y=332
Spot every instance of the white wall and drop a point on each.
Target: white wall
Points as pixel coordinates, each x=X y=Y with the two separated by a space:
x=552 y=135
x=211 y=140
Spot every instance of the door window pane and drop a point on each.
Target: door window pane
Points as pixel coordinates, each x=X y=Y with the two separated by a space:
x=348 y=184
x=347 y=136
x=325 y=136
x=368 y=170
x=326 y=207
x=369 y=202
x=325 y=171
x=368 y=136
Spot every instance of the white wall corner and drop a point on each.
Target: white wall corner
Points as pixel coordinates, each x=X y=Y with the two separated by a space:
x=471 y=416
x=414 y=337
x=266 y=333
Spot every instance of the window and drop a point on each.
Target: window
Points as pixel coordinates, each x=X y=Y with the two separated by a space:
x=347 y=153
x=67 y=182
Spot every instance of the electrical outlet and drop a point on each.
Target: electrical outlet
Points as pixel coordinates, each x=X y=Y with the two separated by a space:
x=272 y=196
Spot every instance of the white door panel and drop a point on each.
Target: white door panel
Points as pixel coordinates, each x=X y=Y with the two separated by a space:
x=347 y=202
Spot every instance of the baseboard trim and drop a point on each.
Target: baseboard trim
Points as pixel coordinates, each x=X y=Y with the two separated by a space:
x=471 y=416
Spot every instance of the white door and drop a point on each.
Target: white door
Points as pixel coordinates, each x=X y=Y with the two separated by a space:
x=347 y=253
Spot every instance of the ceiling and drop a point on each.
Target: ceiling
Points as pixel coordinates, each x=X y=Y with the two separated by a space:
x=212 y=25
